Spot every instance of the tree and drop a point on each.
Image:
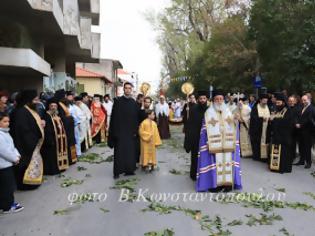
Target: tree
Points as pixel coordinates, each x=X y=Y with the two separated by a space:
x=229 y=59
x=285 y=35
x=185 y=27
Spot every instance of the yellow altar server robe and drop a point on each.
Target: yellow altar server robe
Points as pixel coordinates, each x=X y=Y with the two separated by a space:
x=149 y=139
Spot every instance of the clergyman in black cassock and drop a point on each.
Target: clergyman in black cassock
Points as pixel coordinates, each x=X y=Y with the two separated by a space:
x=281 y=126
x=55 y=149
x=68 y=123
x=187 y=110
x=193 y=128
x=123 y=130
x=29 y=136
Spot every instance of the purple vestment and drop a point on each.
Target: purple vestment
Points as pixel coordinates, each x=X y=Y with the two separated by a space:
x=207 y=172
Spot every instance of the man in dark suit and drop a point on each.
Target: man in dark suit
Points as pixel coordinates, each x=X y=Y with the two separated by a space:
x=305 y=129
x=296 y=109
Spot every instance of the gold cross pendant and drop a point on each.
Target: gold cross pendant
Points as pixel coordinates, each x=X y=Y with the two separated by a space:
x=213 y=122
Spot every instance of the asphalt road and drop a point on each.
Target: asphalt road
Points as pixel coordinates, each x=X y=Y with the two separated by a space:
x=109 y=214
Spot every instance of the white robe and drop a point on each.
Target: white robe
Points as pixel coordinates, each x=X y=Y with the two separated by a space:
x=162 y=109
x=86 y=129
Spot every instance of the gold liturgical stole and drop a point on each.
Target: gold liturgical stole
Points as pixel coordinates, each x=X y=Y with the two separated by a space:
x=61 y=142
x=34 y=172
x=276 y=149
x=263 y=112
x=221 y=130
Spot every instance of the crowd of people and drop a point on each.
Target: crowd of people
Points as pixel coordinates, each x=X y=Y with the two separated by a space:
x=45 y=134
x=275 y=129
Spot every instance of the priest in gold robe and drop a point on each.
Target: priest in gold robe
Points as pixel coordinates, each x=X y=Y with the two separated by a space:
x=243 y=115
x=99 y=122
x=259 y=120
x=149 y=140
x=55 y=149
x=219 y=153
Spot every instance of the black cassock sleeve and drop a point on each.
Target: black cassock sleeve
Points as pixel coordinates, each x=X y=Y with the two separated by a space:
x=27 y=132
x=112 y=124
x=50 y=139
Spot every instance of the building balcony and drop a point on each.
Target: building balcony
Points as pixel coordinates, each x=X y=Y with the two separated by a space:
x=52 y=6
x=22 y=61
x=91 y=9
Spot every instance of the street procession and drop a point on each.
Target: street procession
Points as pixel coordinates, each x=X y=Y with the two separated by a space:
x=162 y=118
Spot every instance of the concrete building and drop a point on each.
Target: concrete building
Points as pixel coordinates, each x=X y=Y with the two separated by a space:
x=41 y=40
x=92 y=83
x=109 y=69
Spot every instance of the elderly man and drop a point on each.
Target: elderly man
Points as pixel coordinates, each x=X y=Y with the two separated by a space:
x=219 y=160
x=55 y=148
x=162 y=113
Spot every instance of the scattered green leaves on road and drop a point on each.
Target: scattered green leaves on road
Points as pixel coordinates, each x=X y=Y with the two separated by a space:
x=104 y=210
x=213 y=226
x=160 y=208
x=257 y=200
x=128 y=184
x=81 y=168
x=235 y=222
x=312 y=195
x=178 y=172
x=65 y=211
x=69 y=181
x=110 y=158
x=264 y=219
x=282 y=190
x=164 y=232
x=92 y=158
x=285 y=232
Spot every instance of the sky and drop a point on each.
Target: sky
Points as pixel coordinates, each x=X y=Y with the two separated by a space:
x=129 y=38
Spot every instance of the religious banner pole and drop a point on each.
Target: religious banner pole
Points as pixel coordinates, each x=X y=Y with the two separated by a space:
x=187 y=88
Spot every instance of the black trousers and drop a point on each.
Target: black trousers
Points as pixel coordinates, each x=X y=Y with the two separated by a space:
x=305 y=146
x=7 y=188
x=193 y=164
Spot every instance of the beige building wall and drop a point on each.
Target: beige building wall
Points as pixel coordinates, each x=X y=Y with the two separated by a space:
x=93 y=85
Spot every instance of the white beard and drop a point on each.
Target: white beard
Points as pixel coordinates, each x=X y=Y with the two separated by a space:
x=219 y=107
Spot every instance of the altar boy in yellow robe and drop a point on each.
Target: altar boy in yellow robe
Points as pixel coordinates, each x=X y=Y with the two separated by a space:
x=150 y=139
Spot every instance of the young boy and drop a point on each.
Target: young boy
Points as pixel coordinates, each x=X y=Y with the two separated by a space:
x=9 y=156
x=149 y=138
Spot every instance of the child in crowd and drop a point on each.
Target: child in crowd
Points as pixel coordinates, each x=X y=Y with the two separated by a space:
x=150 y=139
x=9 y=156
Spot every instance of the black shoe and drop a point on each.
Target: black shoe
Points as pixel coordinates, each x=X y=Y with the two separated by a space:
x=307 y=166
x=116 y=176
x=131 y=173
x=299 y=164
x=227 y=189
